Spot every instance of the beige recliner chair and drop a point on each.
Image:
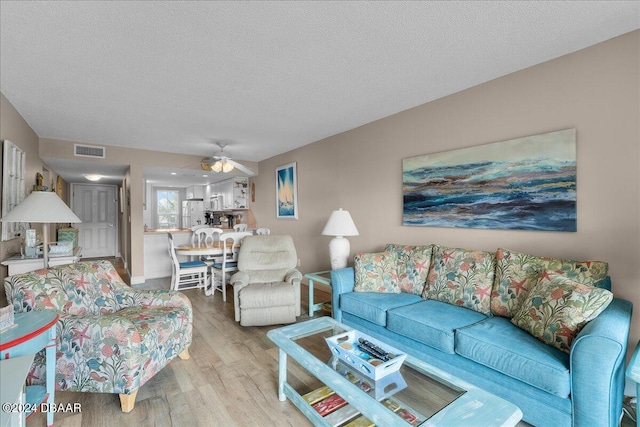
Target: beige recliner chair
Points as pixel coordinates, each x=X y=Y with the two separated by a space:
x=266 y=288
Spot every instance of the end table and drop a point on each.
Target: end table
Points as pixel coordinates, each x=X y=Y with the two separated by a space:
x=633 y=373
x=32 y=332
x=323 y=277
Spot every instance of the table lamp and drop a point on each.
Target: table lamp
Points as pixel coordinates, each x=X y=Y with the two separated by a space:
x=339 y=225
x=45 y=208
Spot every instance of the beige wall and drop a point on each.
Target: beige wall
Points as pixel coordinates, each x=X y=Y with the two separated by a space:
x=595 y=90
x=14 y=128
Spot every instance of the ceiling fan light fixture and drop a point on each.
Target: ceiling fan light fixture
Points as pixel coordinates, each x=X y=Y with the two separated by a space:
x=217 y=166
x=227 y=167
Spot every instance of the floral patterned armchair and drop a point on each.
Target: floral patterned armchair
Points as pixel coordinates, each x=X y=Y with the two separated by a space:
x=110 y=338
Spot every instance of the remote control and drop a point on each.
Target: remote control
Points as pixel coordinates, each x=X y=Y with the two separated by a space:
x=373 y=350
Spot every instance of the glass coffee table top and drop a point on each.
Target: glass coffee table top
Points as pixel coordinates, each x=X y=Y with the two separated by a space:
x=340 y=395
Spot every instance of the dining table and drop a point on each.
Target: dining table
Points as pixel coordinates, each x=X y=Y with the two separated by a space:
x=199 y=249
x=203 y=249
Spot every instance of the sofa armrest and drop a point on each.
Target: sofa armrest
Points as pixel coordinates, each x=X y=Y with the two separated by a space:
x=342 y=281
x=598 y=357
x=293 y=276
x=239 y=280
x=101 y=353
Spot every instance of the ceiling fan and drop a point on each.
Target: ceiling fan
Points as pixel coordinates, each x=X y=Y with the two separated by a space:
x=221 y=162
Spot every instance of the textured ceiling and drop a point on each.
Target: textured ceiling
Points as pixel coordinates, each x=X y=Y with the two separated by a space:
x=267 y=76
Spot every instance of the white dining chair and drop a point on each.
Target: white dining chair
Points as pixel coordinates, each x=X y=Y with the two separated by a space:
x=206 y=235
x=186 y=275
x=240 y=227
x=263 y=231
x=194 y=235
x=228 y=263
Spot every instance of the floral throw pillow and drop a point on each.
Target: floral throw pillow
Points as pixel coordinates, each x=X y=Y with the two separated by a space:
x=557 y=308
x=517 y=273
x=412 y=266
x=376 y=272
x=461 y=277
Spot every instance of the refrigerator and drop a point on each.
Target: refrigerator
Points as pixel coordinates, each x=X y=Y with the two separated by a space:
x=192 y=213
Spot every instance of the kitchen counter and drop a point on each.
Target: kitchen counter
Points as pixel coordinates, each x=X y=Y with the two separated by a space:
x=157 y=262
x=167 y=230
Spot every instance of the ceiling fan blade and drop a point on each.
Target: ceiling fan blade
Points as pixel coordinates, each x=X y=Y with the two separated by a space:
x=241 y=167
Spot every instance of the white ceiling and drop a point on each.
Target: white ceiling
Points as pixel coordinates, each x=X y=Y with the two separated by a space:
x=267 y=76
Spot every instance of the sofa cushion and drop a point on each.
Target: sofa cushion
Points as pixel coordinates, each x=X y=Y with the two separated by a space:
x=461 y=277
x=431 y=322
x=557 y=308
x=373 y=306
x=158 y=327
x=376 y=272
x=517 y=273
x=412 y=266
x=497 y=344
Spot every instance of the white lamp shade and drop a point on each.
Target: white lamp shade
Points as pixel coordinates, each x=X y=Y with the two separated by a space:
x=340 y=224
x=41 y=207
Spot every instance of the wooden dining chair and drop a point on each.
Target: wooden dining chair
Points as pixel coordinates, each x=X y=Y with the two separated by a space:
x=186 y=275
x=228 y=263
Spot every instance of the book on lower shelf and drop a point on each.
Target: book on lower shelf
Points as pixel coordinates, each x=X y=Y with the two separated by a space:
x=337 y=412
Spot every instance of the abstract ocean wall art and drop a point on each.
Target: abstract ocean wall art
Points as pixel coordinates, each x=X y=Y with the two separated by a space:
x=287 y=192
x=522 y=184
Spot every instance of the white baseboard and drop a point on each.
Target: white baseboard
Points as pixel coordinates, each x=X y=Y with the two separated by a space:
x=136 y=280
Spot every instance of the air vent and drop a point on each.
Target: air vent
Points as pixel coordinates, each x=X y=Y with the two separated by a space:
x=89 y=151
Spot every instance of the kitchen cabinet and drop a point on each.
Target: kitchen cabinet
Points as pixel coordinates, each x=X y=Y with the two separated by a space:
x=230 y=194
x=195 y=192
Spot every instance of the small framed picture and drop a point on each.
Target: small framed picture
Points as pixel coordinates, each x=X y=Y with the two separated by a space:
x=287 y=192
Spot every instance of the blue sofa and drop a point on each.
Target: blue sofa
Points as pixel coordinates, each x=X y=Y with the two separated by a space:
x=552 y=388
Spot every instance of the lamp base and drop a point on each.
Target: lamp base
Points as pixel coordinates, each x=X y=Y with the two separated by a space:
x=339 y=249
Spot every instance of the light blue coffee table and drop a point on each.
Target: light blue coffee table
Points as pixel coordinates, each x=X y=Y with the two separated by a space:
x=471 y=405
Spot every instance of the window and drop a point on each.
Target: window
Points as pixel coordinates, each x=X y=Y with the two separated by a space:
x=167 y=208
x=12 y=187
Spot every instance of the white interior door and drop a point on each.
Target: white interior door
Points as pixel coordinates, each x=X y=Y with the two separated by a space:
x=96 y=206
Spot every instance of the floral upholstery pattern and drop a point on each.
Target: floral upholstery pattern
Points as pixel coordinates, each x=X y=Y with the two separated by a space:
x=461 y=277
x=517 y=273
x=557 y=308
x=376 y=272
x=412 y=266
x=110 y=338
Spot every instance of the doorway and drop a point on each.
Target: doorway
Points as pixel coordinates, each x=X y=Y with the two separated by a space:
x=96 y=206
